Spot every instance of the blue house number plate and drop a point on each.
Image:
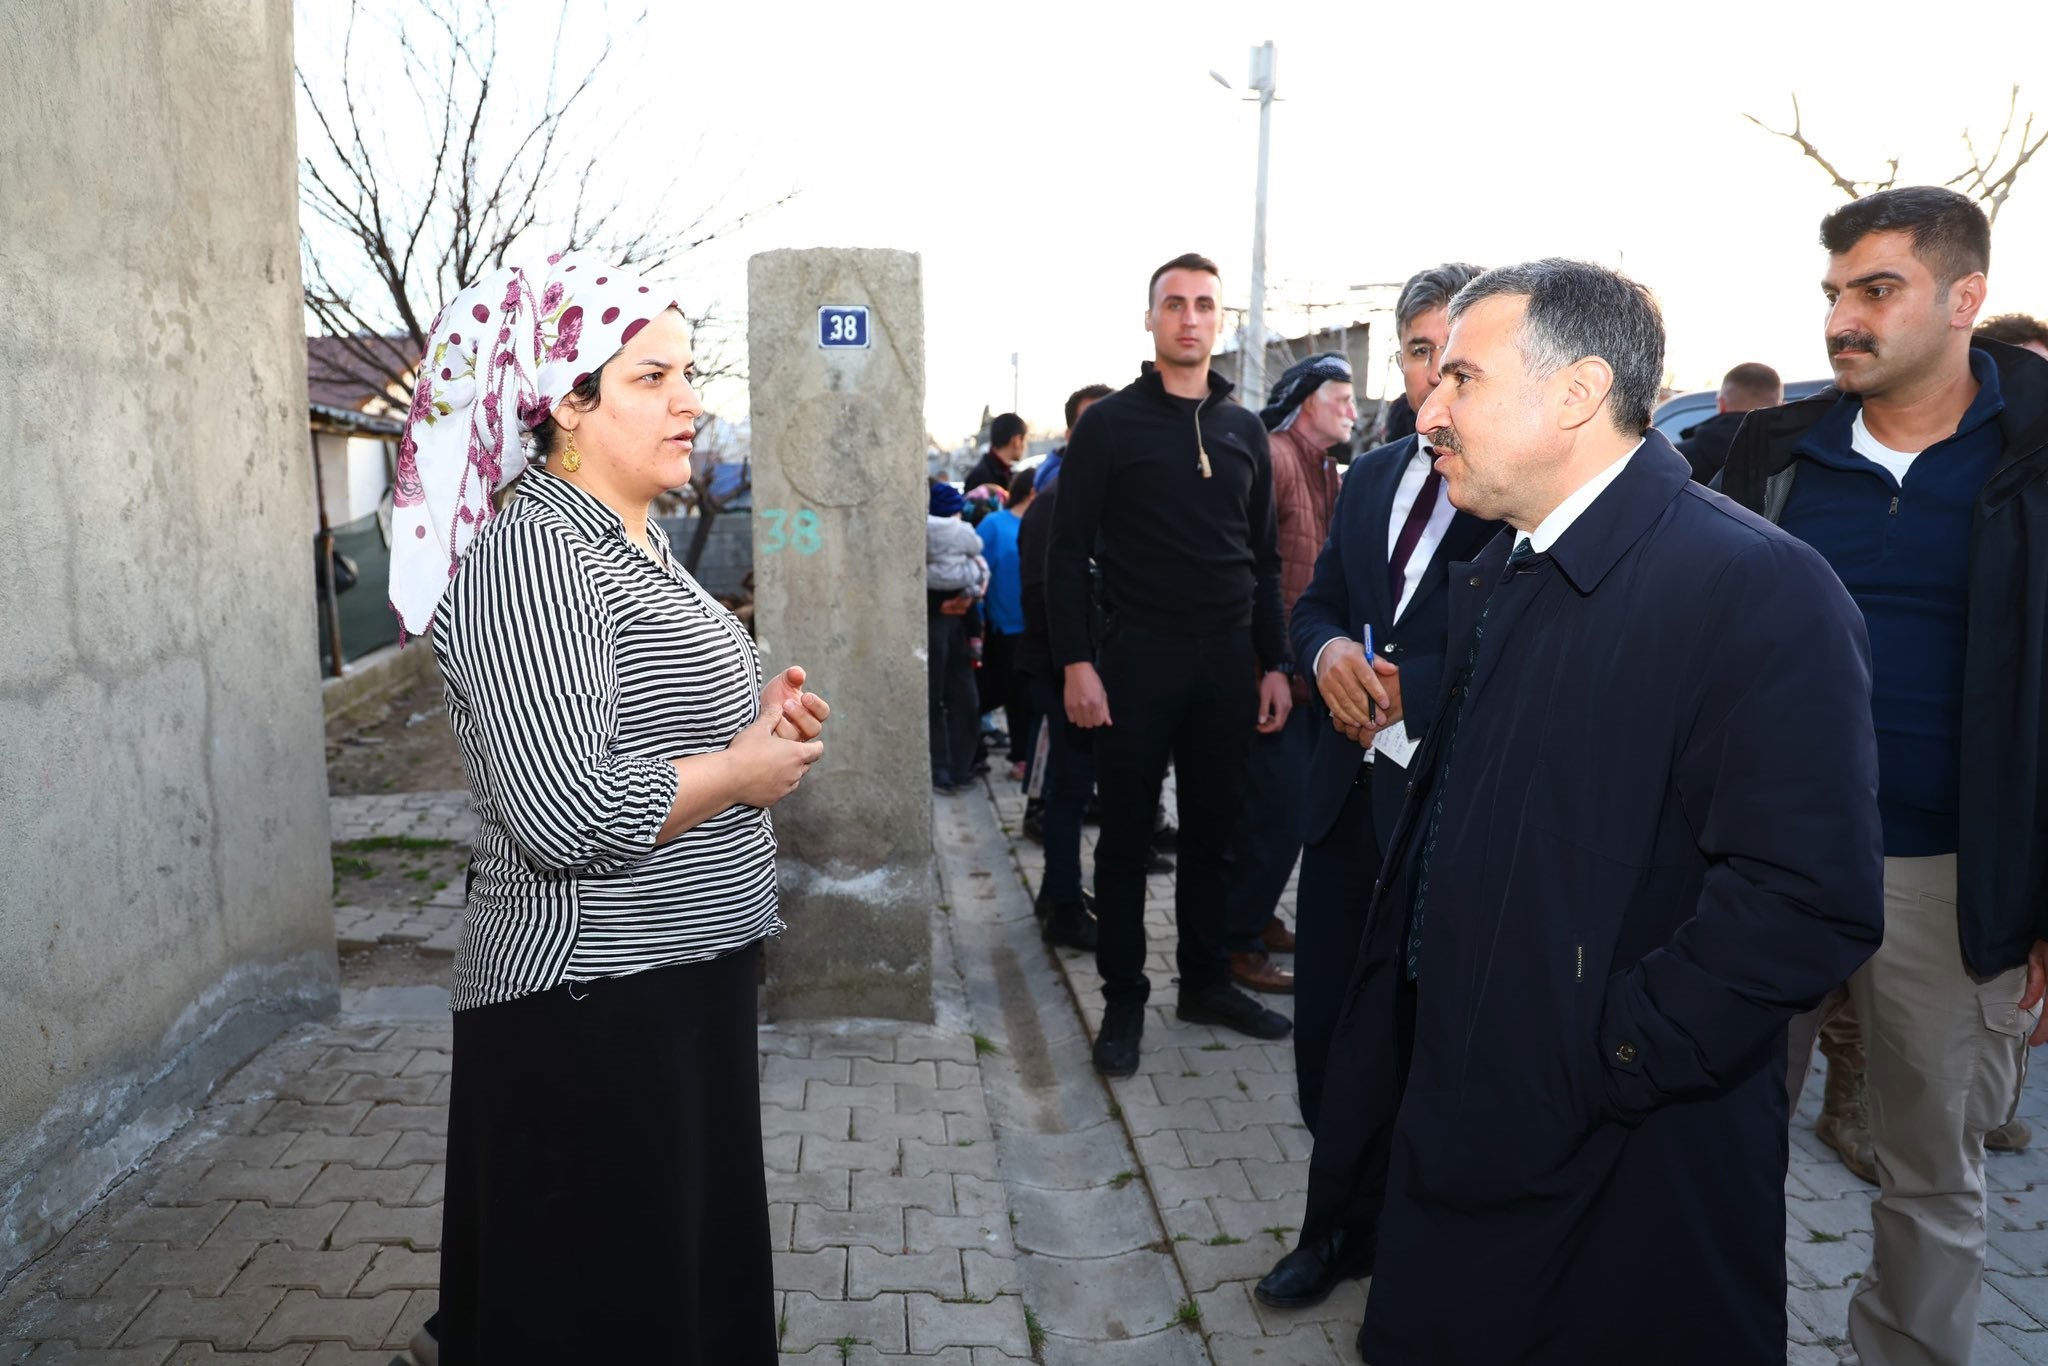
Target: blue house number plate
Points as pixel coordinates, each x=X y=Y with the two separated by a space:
x=844 y=325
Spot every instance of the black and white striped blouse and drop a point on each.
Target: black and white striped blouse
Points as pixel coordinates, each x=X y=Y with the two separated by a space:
x=576 y=669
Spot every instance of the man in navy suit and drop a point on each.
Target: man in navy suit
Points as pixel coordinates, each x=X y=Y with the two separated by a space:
x=1643 y=836
x=1392 y=539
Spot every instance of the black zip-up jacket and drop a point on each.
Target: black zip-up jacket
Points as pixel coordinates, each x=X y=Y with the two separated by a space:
x=1034 y=651
x=1175 y=503
x=2002 y=810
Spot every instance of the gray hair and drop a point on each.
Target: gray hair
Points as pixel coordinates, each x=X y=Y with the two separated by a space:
x=1577 y=309
x=1432 y=288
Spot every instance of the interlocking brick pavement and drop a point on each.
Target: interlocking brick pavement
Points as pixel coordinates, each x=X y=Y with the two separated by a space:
x=284 y=1226
x=1213 y=1118
x=435 y=924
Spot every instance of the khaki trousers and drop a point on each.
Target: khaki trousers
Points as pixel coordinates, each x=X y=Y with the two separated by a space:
x=1945 y=1054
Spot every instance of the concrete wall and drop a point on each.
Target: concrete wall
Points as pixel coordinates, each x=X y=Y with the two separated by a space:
x=163 y=827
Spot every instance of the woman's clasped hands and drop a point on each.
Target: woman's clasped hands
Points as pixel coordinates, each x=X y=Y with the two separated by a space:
x=774 y=753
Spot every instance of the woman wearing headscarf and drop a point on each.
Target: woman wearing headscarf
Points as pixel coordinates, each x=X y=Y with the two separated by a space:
x=605 y=1192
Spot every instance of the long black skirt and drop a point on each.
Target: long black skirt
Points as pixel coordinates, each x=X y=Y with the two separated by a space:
x=605 y=1194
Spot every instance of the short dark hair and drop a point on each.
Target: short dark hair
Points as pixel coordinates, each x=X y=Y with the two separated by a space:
x=1432 y=288
x=1021 y=484
x=1087 y=393
x=1187 y=260
x=1754 y=379
x=1006 y=428
x=1577 y=309
x=2014 y=329
x=1950 y=232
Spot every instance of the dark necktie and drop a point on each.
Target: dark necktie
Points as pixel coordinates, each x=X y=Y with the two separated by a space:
x=1522 y=551
x=1411 y=536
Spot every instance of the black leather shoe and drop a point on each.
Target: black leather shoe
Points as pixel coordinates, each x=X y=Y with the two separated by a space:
x=1067 y=925
x=1308 y=1274
x=1116 y=1047
x=1228 y=1008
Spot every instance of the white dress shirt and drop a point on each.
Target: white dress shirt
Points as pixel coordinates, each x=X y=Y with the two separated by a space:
x=1577 y=501
x=1405 y=494
x=1432 y=531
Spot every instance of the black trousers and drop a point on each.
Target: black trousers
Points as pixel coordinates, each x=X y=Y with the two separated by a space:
x=1194 y=701
x=1337 y=875
x=606 y=1200
x=955 y=715
x=1001 y=685
x=1069 y=782
x=1268 y=836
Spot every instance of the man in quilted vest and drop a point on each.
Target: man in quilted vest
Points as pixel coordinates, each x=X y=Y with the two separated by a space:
x=1310 y=411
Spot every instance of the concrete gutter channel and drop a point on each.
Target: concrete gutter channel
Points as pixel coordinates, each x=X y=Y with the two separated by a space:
x=1094 y=1265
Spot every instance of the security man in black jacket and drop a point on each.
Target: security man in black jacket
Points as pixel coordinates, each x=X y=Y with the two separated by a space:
x=1168 y=485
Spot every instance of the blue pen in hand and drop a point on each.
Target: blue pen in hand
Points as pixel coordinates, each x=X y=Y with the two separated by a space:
x=1368 y=664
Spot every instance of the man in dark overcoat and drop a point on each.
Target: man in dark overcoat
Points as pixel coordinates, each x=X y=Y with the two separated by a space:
x=1643 y=835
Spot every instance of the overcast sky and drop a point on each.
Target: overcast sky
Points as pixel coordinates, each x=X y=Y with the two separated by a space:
x=1043 y=158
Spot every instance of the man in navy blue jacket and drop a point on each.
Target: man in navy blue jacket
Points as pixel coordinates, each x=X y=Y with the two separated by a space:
x=1919 y=479
x=1642 y=836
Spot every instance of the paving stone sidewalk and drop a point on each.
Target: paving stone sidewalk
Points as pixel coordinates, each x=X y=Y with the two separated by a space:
x=1214 y=1120
x=298 y=1219
x=968 y=1193
x=435 y=927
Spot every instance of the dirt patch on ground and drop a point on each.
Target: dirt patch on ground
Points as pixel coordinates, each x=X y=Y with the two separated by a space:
x=404 y=745
x=395 y=965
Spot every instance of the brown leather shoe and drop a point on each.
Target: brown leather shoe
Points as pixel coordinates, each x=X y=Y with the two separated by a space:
x=2013 y=1136
x=1277 y=937
x=1255 y=972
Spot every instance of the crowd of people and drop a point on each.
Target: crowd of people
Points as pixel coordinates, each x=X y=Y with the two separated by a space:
x=1612 y=791
x=1618 y=773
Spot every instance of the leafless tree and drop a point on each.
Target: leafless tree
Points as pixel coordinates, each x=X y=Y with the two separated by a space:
x=1988 y=179
x=425 y=165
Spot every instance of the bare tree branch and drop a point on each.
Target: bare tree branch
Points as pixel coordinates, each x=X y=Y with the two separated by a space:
x=1982 y=180
x=396 y=222
x=1798 y=138
x=1990 y=186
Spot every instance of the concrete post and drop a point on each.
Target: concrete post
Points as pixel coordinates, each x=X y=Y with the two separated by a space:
x=835 y=354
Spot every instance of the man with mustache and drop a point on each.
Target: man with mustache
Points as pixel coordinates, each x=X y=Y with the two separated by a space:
x=1384 y=574
x=1918 y=478
x=1642 y=836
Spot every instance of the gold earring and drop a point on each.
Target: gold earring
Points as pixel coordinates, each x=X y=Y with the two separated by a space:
x=572 y=459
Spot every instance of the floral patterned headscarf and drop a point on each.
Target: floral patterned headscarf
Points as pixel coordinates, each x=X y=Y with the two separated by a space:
x=499 y=361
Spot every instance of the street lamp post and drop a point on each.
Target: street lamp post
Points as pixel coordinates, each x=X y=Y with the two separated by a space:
x=1252 y=361
x=1255 y=367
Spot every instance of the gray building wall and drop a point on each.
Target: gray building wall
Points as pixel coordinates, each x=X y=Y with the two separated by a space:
x=164 y=873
